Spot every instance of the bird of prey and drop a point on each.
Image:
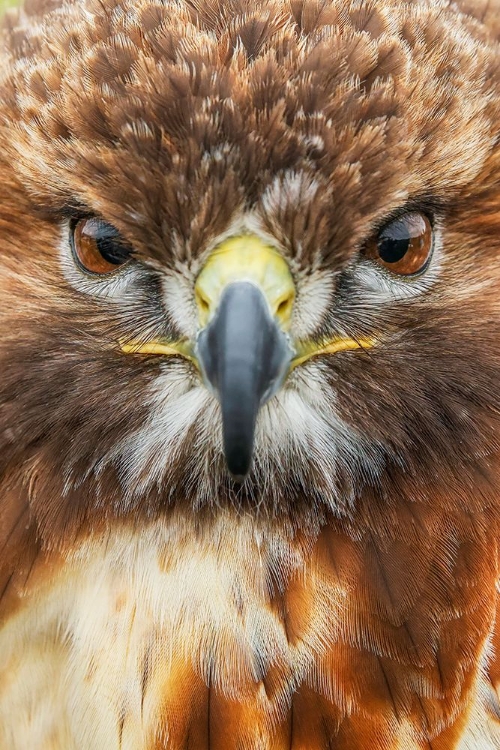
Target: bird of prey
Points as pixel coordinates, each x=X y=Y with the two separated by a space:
x=250 y=375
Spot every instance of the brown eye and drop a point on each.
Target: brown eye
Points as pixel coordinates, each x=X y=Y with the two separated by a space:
x=97 y=246
x=404 y=246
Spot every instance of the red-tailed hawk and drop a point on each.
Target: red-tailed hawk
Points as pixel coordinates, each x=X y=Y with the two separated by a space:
x=250 y=375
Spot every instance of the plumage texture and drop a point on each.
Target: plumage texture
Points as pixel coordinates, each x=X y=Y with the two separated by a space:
x=345 y=595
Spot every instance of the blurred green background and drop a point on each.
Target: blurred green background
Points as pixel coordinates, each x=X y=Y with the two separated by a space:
x=7 y=4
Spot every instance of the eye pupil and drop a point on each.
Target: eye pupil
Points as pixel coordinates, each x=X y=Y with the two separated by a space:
x=392 y=250
x=111 y=251
x=98 y=246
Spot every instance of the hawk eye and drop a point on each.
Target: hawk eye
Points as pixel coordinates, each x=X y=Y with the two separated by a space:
x=97 y=246
x=403 y=246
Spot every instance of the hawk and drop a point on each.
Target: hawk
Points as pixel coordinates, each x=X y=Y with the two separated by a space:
x=249 y=375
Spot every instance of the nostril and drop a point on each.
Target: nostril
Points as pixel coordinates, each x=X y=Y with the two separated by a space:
x=203 y=303
x=284 y=309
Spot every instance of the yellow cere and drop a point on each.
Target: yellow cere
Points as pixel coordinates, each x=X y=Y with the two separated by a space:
x=246 y=258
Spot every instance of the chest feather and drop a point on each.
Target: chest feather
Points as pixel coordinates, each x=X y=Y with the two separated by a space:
x=169 y=639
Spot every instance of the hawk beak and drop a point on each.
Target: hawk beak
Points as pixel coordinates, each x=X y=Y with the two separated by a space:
x=245 y=294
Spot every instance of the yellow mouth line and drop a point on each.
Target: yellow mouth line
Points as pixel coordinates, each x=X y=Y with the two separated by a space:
x=310 y=349
x=305 y=350
x=180 y=348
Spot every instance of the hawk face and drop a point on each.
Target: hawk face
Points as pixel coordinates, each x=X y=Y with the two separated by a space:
x=153 y=151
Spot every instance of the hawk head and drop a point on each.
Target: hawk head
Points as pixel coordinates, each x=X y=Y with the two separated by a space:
x=249 y=255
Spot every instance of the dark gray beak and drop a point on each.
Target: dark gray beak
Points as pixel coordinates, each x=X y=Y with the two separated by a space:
x=245 y=357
